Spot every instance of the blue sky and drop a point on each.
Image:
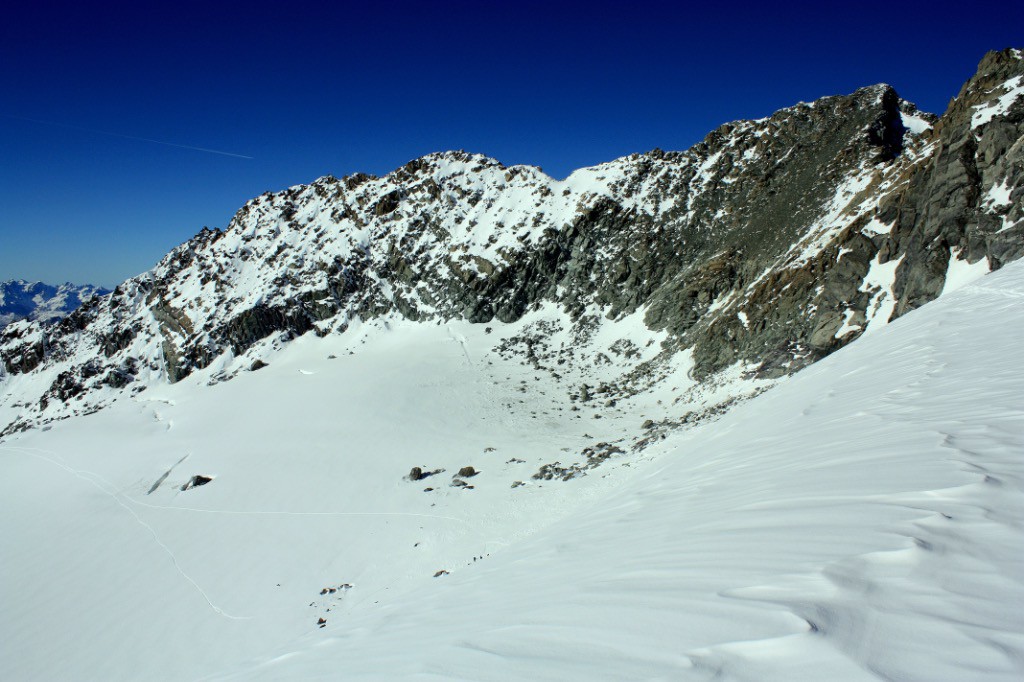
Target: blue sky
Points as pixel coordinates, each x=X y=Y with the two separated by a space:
x=307 y=90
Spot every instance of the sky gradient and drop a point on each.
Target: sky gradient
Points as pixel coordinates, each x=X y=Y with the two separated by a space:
x=124 y=129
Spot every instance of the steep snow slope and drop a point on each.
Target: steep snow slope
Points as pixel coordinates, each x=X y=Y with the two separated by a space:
x=861 y=520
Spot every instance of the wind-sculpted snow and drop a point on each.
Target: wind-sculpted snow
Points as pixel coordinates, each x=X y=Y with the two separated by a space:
x=765 y=247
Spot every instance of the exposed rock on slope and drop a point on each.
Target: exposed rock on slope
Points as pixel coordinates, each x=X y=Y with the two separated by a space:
x=771 y=243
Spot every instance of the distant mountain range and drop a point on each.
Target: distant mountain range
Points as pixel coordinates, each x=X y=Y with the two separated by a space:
x=21 y=300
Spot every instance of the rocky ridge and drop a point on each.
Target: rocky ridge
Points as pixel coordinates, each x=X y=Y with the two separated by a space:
x=766 y=246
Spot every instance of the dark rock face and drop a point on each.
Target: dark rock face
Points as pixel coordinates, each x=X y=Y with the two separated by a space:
x=944 y=208
x=771 y=243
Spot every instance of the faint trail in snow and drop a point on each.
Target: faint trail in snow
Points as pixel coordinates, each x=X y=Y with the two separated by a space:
x=461 y=340
x=234 y=512
x=239 y=512
x=980 y=289
x=160 y=418
x=87 y=476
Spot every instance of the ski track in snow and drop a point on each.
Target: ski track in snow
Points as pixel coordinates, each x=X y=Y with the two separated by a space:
x=93 y=479
x=237 y=512
x=463 y=343
x=84 y=475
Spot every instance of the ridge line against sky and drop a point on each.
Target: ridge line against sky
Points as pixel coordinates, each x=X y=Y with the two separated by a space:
x=241 y=98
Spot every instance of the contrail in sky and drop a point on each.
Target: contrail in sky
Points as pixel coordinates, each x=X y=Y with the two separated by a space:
x=129 y=137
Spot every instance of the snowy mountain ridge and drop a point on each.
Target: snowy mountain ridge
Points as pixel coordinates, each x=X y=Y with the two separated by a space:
x=20 y=300
x=770 y=244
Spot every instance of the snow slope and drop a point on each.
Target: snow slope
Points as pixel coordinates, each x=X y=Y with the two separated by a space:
x=132 y=577
x=861 y=520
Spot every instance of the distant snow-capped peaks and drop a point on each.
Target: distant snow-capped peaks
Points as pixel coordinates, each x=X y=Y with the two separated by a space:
x=20 y=299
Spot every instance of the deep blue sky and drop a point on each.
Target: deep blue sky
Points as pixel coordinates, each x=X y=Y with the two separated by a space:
x=308 y=90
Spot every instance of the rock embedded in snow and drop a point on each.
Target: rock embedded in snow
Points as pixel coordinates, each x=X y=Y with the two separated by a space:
x=419 y=473
x=196 y=481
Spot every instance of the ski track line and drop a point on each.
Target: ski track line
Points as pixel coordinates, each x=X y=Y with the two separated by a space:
x=461 y=340
x=85 y=476
x=239 y=512
x=235 y=512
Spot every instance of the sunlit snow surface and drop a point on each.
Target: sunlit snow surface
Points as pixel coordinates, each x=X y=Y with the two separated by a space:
x=861 y=520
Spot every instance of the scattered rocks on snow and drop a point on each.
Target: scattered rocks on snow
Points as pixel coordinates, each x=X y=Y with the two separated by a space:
x=340 y=588
x=596 y=456
x=419 y=473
